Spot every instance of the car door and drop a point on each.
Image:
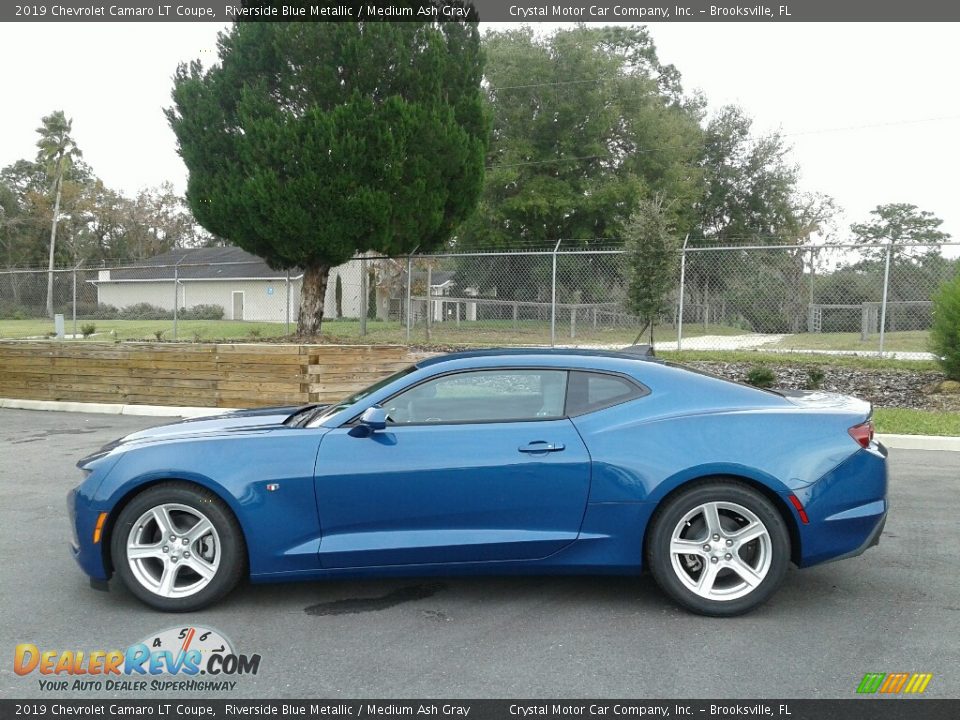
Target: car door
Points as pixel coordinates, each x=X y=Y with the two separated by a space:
x=473 y=466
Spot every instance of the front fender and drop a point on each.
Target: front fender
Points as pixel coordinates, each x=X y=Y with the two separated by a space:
x=281 y=525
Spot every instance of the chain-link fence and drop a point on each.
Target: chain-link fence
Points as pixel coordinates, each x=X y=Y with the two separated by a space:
x=836 y=298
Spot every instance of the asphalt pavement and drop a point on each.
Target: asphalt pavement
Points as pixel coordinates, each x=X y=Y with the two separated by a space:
x=896 y=608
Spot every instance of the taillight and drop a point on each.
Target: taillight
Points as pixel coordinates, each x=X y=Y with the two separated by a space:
x=862 y=433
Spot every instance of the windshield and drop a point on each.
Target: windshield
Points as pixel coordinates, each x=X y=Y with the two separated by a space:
x=330 y=410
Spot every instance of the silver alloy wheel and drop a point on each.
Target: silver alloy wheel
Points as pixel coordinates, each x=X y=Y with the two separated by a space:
x=721 y=551
x=173 y=550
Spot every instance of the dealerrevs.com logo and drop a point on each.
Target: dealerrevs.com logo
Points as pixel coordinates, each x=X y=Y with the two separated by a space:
x=172 y=660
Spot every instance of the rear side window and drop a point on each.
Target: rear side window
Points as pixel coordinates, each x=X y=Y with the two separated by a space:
x=590 y=391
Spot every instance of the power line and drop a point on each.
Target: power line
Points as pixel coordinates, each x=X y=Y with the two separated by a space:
x=814 y=131
x=694 y=146
x=543 y=162
x=874 y=125
x=497 y=88
x=894 y=123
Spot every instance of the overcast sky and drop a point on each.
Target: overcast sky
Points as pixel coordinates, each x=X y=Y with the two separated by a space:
x=867 y=107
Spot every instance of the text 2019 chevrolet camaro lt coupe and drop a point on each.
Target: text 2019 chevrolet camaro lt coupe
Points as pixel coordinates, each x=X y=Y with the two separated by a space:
x=496 y=461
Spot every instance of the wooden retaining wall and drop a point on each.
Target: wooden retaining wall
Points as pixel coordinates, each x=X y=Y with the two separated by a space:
x=201 y=375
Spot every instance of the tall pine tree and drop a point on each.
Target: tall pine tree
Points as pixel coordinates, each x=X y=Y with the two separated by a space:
x=309 y=142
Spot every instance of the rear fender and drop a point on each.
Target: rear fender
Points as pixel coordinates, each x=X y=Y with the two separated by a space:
x=772 y=488
x=708 y=470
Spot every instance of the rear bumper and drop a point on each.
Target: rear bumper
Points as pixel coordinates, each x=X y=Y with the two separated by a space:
x=873 y=539
x=847 y=508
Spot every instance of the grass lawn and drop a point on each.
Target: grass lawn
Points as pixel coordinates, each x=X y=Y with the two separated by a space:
x=484 y=332
x=774 y=360
x=531 y=332
x=916 y=422
x=902 y=341
x=187 y=330
x=480 y=333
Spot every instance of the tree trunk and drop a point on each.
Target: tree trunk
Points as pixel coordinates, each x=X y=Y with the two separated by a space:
x=53 y=243
x=313 y=291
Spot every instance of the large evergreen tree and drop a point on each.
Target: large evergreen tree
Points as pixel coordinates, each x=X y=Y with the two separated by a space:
x=309 y=142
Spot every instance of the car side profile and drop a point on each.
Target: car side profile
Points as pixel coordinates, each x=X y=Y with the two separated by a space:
x=493 y=462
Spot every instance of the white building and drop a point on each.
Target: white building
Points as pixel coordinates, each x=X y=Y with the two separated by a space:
x=242 y=284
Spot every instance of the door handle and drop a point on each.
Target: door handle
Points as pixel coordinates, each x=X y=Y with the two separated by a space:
x=541 y=446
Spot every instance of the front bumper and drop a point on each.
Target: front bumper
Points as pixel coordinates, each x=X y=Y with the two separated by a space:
x=847 y=508
x=82 y=516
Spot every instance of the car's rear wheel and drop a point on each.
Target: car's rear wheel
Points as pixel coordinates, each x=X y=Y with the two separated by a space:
x=719 y=548
x=177 y=547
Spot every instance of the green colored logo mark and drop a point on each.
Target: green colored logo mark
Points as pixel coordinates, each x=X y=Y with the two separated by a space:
x=871 y=682
x=893 y=683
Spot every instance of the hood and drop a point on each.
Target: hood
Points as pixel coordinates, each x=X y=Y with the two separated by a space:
x=255 y=420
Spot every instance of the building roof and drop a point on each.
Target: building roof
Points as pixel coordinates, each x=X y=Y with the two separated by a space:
x=437 y=277
x=211 y=263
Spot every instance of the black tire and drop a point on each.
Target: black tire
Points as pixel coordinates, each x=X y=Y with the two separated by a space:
x=231 y=550
x=671 y=514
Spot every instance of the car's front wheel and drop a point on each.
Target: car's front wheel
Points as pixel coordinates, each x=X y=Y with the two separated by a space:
x=719 y=548
x=177 y=547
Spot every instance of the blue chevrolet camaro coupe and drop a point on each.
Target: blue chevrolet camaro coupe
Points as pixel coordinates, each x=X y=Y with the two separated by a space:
x=493 y=462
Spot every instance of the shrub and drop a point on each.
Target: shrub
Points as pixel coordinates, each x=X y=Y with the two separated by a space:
x=144 y=311
x=10 y=310
x=815 y=378
x=255 y=333
x=93 y=311
x=761 y=376
x=202 y=312
x=158 y=334
x=945 y=332
x=88 y=329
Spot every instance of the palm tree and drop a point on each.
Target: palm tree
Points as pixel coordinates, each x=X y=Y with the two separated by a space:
x=57 y=152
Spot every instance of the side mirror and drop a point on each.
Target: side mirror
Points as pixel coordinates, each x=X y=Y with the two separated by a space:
x=373 y=419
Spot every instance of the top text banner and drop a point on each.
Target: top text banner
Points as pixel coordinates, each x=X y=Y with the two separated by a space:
x=529 y=11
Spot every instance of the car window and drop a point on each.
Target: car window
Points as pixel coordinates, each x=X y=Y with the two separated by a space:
x=589 y=391
x=326 y=412
x=482 y=396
